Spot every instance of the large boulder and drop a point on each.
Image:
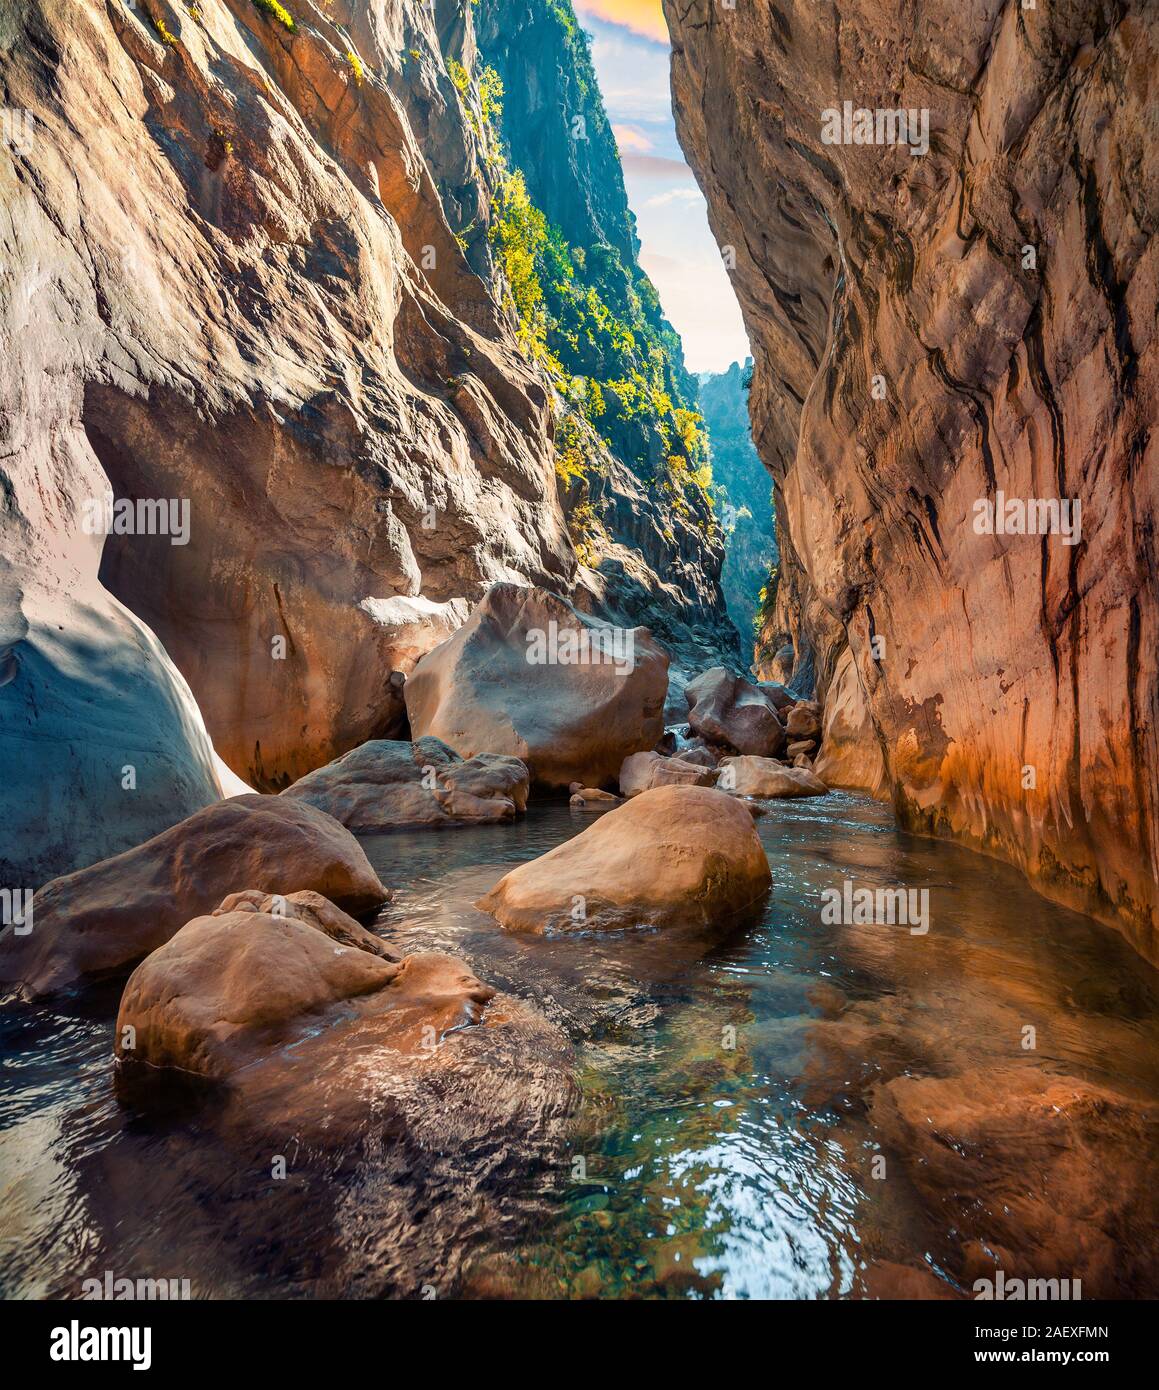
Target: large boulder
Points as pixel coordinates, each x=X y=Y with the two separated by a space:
x=765 y=777
x=725 y=708
x=528 y=676
x=229 y=989
x=384 y=784
x=102 y=920
x=101 y=741
x=672 y=857
x=643 y=771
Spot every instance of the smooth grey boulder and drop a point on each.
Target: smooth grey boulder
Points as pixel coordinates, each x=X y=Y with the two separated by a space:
x=386 y=784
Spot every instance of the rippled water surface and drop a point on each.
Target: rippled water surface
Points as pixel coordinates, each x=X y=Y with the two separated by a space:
x=802 y=1111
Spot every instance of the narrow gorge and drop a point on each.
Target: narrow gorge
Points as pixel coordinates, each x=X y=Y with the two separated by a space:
x=578 y=635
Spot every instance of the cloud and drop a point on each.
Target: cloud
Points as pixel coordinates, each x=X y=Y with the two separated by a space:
x=645 y=17
x=654 y=166
x=675 y=195
x=630 y=137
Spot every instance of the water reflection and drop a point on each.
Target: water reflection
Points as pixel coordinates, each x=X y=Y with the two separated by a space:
x=810 y=1110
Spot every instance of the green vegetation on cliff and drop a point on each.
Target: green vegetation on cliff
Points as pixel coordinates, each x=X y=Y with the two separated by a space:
x=587 y=312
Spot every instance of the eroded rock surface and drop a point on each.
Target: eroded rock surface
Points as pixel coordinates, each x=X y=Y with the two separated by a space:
x=932 y=332
x=530 y=677
x=387 y=784
x=102 y=920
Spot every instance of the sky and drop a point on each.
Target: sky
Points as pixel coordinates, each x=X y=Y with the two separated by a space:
x=630 y=52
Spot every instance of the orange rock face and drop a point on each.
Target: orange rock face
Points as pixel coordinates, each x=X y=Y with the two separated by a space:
x=955 y=390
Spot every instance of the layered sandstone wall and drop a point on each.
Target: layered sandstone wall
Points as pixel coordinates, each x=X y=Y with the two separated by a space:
x=931 y=330
x=229 y=280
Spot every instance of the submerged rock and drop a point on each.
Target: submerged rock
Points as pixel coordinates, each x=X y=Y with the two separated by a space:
x=643 y=771
x=528 y=676
x=725 y=708
x=764 y=777
x=103 y=919
x=1053 y=1170
x=592 y=799
x=672 y=857
x=385 y=784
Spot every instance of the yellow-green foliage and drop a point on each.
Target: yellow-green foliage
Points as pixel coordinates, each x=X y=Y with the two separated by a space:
x=278 y=12
x=166 y=36
x=459 y=76
x=518 y=234
x=355 y=65
x=594 y=324
x=491 y=97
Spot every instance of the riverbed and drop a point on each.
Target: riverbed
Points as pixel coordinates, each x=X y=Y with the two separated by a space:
x=808 y=1109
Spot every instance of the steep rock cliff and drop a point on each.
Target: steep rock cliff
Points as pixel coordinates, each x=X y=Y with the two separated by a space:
x=750 y=547
x=931 y=330
x=630 y=441
x=230 y=282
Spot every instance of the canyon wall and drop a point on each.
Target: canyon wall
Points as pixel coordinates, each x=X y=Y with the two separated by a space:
x=747 y=511
x=244 y=293
x=937 y=332
x=653 y=546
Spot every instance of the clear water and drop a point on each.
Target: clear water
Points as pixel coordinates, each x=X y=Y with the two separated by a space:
x=738 y=1135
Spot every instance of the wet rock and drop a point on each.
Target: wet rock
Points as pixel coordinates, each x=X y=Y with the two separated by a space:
x=313 y=909
x=528 y=676
x=764 y=777
x=228 y=988
x=103 y=919
x=672 y=857
x=643 y=771
x=386 y=784
x=1052 y=1167
x=885 y=1279
x=724 y=708
x=592 y=799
